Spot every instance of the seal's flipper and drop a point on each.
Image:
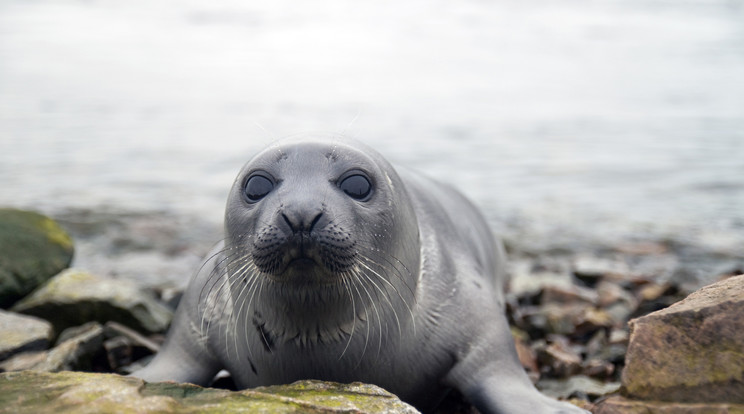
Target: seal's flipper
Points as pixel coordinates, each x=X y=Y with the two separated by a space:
x=491 y=378
x=183 y=357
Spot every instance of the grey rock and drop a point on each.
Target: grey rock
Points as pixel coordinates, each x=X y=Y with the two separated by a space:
x=74 y=353
x=75 y=297
x=22 y=333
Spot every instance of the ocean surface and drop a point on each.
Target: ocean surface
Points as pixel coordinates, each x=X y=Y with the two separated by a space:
x=572 y=124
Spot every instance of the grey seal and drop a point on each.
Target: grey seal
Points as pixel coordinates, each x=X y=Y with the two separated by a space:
x=337 y=267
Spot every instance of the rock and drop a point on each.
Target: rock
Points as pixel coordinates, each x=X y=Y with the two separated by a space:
x=597 y=368
x=620 y=405
x=617 y=302
x=33 y=392
x=575 y=319
x=653 y=297
x=560 y=360
x=692 y=351
x=33 y=248
x=21 y=333
x=578 y=386
x=591 y=269
x=76 y=351
x=568 y=295
x=75 y=297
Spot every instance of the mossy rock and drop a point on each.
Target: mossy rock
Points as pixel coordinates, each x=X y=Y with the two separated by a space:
x=33 y=248
x=77 y=392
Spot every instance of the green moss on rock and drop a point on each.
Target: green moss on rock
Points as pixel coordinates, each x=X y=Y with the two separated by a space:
x=33 y=248
x=77 y=392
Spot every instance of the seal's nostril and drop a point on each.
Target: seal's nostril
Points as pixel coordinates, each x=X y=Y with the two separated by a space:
x=299 y=222
x=315 y=221
x=289 y=222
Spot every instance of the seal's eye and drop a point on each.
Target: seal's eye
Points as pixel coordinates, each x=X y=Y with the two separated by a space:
x=257 y=187
x=356 y=186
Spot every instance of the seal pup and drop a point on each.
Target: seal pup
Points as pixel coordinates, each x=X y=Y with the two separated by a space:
x=337 y=267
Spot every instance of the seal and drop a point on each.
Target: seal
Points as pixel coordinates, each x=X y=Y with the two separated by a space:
x=337 y=267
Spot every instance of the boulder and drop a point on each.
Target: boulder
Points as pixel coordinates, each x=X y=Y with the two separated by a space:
x=21 y=333
x=620 y=405
x=75 y=351
x=692 y=351
x=75 y=297
x=76 y=392
x=33 y=248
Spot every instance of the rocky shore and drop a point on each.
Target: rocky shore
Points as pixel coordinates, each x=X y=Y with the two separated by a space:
x=610 y=331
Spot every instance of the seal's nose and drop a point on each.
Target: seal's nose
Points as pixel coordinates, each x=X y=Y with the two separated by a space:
x=302 y=221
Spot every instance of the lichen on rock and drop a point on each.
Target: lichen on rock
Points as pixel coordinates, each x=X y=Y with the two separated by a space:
x=77 y=392
x=692 y=351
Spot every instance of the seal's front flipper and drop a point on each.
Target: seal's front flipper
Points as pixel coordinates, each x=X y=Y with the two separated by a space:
x=489 y=375
x=501 y=395
x=183 y=357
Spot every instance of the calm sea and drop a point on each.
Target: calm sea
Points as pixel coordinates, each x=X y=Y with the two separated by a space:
x=568 y=122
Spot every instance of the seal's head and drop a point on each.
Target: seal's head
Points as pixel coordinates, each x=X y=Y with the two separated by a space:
x=310 y=218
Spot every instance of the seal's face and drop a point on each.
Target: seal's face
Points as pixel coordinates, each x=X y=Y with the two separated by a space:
x=313 y=213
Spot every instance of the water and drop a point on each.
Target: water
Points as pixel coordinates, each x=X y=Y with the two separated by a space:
x=571 y=123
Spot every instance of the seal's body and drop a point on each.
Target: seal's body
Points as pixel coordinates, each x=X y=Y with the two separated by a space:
x=335 y=267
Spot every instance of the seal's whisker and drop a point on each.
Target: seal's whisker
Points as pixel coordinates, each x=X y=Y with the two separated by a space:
x=385 y=293
x=391 y=285
x=256 y=278
x=366 y=316
x=231 y=277
x=345 y=282
x=247 y=282
x=377 y=312
x=383 y=256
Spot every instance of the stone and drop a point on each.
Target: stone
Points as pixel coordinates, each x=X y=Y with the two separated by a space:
x=568 y=295
x=692 y=351
x=75 y=297
x=560 y=360
x=597 y=368
x=528 y=277
x=77 y=392
x=75 y=352
x=620 y=405
x=591 y=269
x=33 y=248
x=21 y=333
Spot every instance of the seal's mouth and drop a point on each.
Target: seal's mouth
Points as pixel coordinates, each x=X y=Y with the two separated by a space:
x=324 y=253
x=305 y=256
